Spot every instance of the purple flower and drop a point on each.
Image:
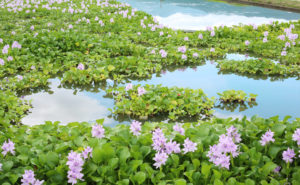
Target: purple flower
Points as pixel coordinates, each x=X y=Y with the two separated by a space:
x=161 y=33
x=0 y=167
x=178 y=128
x=111 y=20
x=223 y=161
x=16 y=45
x=265 y=40
x=8 y=147
x=183 y=56
x=287 y=44
x=159 y=140
x=277 y=169
x=10 y=58
x=70 y=26
x=20 y=77
x=29 y=179
x=200 y=36
x=212 y=33
x=135 y=128
x=80 y=66
x=281 y=37
x=141 y=91
x=98 y=131
x=160 y=159
x=5 y=49
x=1 y=61
x=266 y=33
x=296 y=136
x=247 y=42
x=1 y=40
x=172 y=147
x=212 y=49
x=163 y=53
x=128 y=87
x=232 y=132
x=139 y=33
x=75 y=163
x=182 y=49
x=226 y=145
x=288 y=155
x=195 y=55
x=186 y=38
x=283 y=53
x=189 y=146
x=87 y=152
x=153 y=51
x=267 y=137
x=32 y=67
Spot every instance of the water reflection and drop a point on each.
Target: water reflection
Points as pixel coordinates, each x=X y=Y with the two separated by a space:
x=198 y=14
x=68 y=103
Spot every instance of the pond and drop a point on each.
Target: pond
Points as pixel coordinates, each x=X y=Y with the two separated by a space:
x=199 y=14
x=275 y=96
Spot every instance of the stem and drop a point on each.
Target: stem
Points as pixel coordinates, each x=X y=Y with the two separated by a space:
x=231 y=160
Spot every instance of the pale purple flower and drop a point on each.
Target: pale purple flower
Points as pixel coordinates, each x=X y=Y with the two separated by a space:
x=232 y=132
x=96 y=18
x=265 y=40
x=183 y=56
x=200 y=36
x=5 y=49
x=296 y=136
x=32 y=28
x=247 y=42
x=267 y=137
x=36 y=34
x=266 y=33
x=10 y=58
x=288 y=155
x=80 y=66
x=32 y=67
x=227 y=145
x=2 y=62
x=223 y=161
x=182 y=49
x=189 y=146
x=29 y=179
x=160 y=159
x=153 y=51
x=128 y=87
x=163 y=53
x=186 y=38
x=159 y=140
x=13 y=32
x=281 y=37
x=254 y=26
x=161 y=33
x=195 y=55
x=283 y=53
x=208 y=28
x=138 y=33
x=172 y=147
x=70 y=26
x=212 y=50
x=16 y=45
x=136 y=128
x=98 y=131
x=0 y=167
x=87 y=152
x=75 y=163
x=1 y=40
x=19 y=77
x=212 y=33
x=111 y=20
x=8 y=147
x=287 y=44
x=277 y=169
x=178 y=128
x=141 y=91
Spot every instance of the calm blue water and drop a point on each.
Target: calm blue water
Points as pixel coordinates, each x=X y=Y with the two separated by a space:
x=198 y=14
x=275 y=97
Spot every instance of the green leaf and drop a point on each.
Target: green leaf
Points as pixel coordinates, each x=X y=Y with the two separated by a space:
x=180 y=182
x=278 y=129
x=268 y=168
x=7 y=165
x=139 y=177
x=205 y=169
x=218 y=182
x=103 y=153
x=249 y=182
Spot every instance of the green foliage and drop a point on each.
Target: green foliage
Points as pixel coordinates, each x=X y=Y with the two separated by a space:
x=122 y=158
x=174 y=102
x=236 y=96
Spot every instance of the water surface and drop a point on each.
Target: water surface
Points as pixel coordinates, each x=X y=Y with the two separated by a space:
x=198 y=14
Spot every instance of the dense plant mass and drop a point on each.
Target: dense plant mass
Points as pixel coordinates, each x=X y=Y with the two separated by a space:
x=236 y=96
x=153 y=100
x=84 y=42
x=219 y=151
